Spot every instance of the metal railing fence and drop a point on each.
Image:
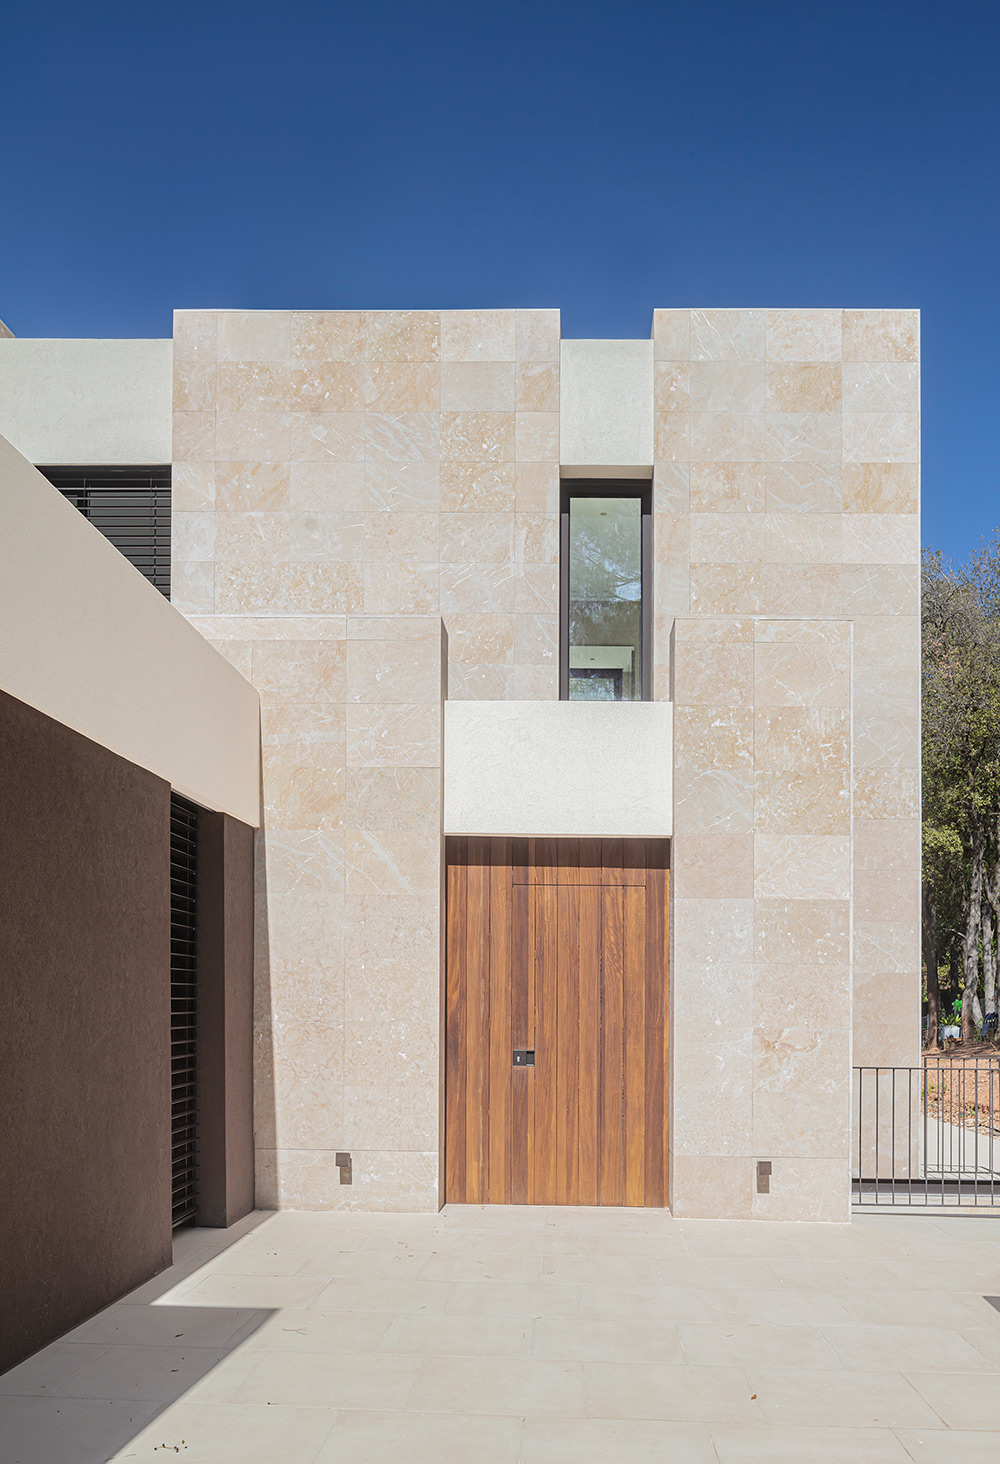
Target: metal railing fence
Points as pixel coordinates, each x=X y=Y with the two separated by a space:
x=927 y=1135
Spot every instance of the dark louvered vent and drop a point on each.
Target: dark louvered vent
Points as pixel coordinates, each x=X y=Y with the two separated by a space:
x=183 y=1000
x=130 y=506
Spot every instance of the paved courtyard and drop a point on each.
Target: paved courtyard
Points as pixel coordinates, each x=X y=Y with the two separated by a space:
x=534 y=1336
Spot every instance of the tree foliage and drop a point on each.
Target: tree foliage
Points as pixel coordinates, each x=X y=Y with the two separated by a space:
x=961 y=782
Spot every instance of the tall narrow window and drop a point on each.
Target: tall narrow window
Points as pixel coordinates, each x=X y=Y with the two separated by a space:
x=605 y=651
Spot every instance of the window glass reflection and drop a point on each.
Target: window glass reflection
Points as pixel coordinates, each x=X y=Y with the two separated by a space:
x=605 y=599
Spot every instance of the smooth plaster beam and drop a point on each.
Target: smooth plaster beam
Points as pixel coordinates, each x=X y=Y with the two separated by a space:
x=87 y=402
x=606 y=408
x=559 y=769
x=87 y=640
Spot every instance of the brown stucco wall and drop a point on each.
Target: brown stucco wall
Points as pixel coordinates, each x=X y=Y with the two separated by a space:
x=84 y=1027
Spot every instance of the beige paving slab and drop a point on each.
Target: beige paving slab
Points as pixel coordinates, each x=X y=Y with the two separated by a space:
x=987 y=1341
x=49 y=1369
x=739 y=1344
x=615 y=1441
x=528 y=1243
x=851 y=1275
x=779 y=1306
x=163 y=1325
x=904 y=1308
x=719 y=1273
x=345 y=1294
x=602 y=1270
x=319 y=1380
x=245 y=1291
x=300 y=1329
x=606 y=1341
x=498 y=1385
x=825 y=1398
x=945 y=1447
x=963 y=1401
x=905 y=1349
x=658 y=1245
x=365 y=1265
x=647 y=1304
x=260 y=1260
x=513 y=1299
x=229 y=1433
x=421 y=1438
x=461 y=1336
x=681 y=1392
x=514 y=1266
x=68 y=1430
x=767 y=1444
x=159 y=1374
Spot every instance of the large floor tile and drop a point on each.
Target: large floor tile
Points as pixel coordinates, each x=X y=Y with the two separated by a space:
x=901 y=1307
x=228 y=1433
x=68 y=1430
x=459 y=1336
x=157 y=1374
x=421 y=1438
x=365 y=1265
x=49 y=1369
x=645 y=1303
x=164 y=1326
x=721 y=1274
x=319 y=1380
x=840 y=1275
x=768 y=1444
x=779 y=1306
x=738 y=1344
x=986 y=1340
x=611 y=1340
x=602 y=1270
x=406 y=1294
x=615 y=1441
x=904 y=1349
x=683 y=1393
x=813 y=1399
x=943 y=1446
x=464 y=1266
x=963 y=1401
x=498 y=1385
x=247 y=1291
x=513 y=1299
x=301 y=1329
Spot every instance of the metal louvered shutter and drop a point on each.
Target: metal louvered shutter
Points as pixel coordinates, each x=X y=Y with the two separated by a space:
x=131 y=508
x=183 y=1001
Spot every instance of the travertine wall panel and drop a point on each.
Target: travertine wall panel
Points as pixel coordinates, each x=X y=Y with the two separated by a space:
x=346 y=484
x=760 y=972
x=787 y=485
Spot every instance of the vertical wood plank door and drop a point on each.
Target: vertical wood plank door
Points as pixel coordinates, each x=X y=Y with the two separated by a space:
x=556 y=947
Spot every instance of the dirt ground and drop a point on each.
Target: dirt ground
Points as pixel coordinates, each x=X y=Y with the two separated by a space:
x=962 y=1085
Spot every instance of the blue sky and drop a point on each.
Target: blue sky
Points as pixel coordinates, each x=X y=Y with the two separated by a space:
x=605 y=159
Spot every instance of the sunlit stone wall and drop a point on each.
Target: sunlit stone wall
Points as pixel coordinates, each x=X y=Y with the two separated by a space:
x=346 y=483
x=787 y=549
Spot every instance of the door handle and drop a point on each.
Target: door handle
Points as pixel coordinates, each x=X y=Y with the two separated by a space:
x=524 y=1057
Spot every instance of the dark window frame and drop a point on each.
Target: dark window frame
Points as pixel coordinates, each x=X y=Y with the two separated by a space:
x=641 y=488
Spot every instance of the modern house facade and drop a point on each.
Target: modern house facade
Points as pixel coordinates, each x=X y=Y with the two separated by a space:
x=588 y=675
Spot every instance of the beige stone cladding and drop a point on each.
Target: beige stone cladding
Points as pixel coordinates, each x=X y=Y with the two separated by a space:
x=787 y=491
x=345 y=485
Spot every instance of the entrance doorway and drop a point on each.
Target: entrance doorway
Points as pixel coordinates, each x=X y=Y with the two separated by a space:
x=556 y=1047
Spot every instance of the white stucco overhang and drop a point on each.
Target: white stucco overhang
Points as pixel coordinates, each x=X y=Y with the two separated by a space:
x=559 y=768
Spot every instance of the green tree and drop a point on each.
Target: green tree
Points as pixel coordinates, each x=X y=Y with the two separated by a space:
x=961 y=774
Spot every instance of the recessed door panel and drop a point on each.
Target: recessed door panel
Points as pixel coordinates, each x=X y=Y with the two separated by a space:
x=556 y=953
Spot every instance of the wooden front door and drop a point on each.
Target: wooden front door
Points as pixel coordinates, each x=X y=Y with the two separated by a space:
x=556 y=951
